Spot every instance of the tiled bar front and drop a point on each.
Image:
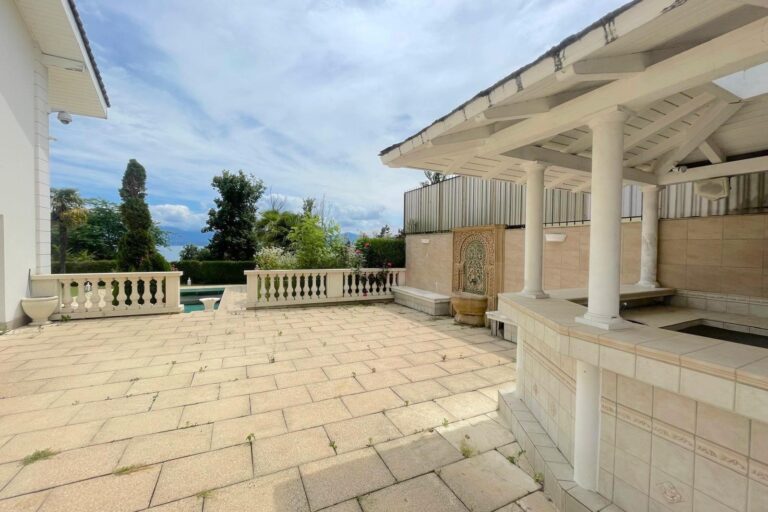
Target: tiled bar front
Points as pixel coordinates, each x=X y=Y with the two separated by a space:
x=684 y=420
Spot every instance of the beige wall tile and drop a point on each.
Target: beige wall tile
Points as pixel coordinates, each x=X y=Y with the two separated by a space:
x=673 y=459
x=723 y=427
x=759 y=441
x=705 y=228
x=673 y=276
x=674 y=409
x=741 y=281
x=741 y=227
x=673 y=229
x=720 y=482
x=704 y=252
x=635 y=394
x=705 y=279
x=429 y=265
x=673 y=252
x=743 y=253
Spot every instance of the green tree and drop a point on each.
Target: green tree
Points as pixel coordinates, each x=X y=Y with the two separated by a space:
x=193 y=252
x=67 y=212
x=316 y=240
x=136 y=249
x=101 y=233
x=233 y=221
x=434 y=177
x=273 y=228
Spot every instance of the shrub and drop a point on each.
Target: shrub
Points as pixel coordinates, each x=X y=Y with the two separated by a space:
x=275 y=258
x=214 y=272
x=379 y=252
x=86 y=267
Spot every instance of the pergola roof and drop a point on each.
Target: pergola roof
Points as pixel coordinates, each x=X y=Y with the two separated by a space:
x=74 y=81
x=655 y=59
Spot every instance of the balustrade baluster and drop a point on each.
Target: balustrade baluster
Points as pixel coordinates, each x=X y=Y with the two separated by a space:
x=81 y=298
x=322 y=285
x=160 y=294
x=67 y=294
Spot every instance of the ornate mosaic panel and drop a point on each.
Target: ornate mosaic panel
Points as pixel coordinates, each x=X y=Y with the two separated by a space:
x=478 y=261
x=474 y=268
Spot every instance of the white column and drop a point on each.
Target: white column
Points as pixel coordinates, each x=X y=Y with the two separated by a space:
x=650 y=237
x=534 y=230
x=605 y=224
x=586 y=447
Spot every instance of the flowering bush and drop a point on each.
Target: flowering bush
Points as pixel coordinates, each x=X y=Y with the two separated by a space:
x=275 y=258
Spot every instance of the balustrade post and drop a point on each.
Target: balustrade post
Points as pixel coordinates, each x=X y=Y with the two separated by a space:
x=172 y=292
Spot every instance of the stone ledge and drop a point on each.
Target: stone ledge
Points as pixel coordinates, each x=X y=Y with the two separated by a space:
x=431 y=303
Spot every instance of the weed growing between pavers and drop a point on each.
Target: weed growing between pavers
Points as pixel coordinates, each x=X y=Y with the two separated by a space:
x=466 y=449
x=38 y=455
x=127 y=470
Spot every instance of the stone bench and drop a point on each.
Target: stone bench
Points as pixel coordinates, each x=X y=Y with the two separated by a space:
x=425 y=301
x=508 y=331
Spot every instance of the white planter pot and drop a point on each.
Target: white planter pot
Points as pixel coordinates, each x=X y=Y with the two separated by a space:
x=208 y=303
x=39 y=309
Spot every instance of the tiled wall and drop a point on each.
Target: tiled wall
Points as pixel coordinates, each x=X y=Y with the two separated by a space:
x=548 y=385
x=566 y=264
x=715 y=254
x=662 y=452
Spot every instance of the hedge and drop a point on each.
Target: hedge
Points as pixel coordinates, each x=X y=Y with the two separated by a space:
x=86 y=267
x=214 y=272
x=381 y=251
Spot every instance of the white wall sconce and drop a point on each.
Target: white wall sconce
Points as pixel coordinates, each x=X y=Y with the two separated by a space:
x=425 y=240
x=554 y=237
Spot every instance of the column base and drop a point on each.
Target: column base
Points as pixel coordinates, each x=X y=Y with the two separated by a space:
x=607 y=323
x=647 y=284
x=533 y=294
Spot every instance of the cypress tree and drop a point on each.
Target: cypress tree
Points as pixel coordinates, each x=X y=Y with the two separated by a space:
x=136 y=250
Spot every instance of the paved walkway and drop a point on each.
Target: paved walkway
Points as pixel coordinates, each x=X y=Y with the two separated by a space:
x=368 y=407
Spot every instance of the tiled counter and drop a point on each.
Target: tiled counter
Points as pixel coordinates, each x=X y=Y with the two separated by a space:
x=683 y=417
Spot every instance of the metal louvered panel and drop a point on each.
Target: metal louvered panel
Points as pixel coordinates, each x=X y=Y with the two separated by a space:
x=468 y=201
x=748 y=194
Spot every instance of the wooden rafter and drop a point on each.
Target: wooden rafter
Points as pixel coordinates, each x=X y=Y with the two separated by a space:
x=663 y=122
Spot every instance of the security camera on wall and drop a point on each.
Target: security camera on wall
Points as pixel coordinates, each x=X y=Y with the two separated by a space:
x=64 y=117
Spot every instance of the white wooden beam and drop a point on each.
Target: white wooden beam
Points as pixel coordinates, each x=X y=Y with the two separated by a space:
x=478 y=133
x=526 y=109
x=663 y=122
x=584 y=187
x=607 y=68
x=556 y=183
x=699 y=132
x=739 y=49
x=578 y=164
x=581 y=144
x=459 y=162
x=429 y=150
x=735 y=168
x=712 y=151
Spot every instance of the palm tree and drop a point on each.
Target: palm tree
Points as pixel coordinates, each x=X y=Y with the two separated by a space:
x=68 y=210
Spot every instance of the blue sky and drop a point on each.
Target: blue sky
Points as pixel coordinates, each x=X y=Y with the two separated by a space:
x=303 y=94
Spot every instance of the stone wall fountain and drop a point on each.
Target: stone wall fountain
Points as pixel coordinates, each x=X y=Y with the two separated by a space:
x=478 y=263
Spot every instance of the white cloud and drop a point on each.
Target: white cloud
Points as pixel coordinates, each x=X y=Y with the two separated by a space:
x=302 y=93
x=178 y=216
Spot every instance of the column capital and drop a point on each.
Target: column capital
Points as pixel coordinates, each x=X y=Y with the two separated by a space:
x=616 y=114
x=530 y=166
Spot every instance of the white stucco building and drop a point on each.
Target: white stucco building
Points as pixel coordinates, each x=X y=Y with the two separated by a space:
x=48 y=67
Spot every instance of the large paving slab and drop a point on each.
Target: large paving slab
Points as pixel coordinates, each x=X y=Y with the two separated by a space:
x=423 y=494
x=243 y=410
x=487 y=482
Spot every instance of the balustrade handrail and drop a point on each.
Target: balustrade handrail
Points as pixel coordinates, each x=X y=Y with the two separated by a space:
x=82 y=295
x=46 y=277
x=282 y=287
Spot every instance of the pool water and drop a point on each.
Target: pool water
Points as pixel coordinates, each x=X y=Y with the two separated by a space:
x=718 y=333
x=191 y=298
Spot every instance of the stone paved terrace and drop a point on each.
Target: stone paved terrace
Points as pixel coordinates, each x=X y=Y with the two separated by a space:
x=348 y=408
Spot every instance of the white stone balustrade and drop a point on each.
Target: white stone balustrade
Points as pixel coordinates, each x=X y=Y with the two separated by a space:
x=111 y=293
x=280 y=288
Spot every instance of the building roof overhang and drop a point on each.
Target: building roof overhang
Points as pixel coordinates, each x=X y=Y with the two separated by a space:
x=74 y=82
x=660 y=60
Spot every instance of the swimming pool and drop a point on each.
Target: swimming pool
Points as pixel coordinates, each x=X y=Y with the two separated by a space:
x=190 y=298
